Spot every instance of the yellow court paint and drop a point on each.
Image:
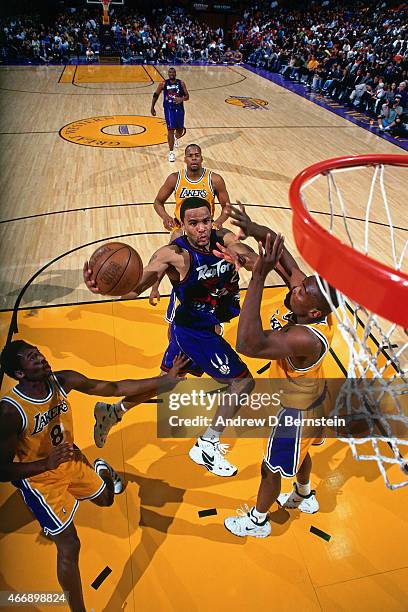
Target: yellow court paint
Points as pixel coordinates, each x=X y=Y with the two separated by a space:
x=154 y=73
x=111 y=74
x=152 y=529
x=67 y=74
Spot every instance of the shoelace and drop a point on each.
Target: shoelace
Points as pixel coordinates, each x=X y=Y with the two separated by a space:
x=243 y=511
x=222 y=448
x=219 y=451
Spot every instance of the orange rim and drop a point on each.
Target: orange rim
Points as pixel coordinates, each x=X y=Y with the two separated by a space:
x=379 y=288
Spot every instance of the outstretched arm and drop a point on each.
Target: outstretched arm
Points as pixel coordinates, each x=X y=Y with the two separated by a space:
x=148 y=387
x=287 y=267
x=252 y=339
x=221 y=192
x=165 y=192
x=159 y=263
x=156 y=97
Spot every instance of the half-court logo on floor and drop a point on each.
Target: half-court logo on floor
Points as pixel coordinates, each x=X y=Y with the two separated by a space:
x=116 y=131
x=244 y=102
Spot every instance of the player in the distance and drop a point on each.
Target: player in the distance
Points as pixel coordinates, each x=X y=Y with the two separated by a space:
x=194 y=181
x=174 y=95
x=36 y=426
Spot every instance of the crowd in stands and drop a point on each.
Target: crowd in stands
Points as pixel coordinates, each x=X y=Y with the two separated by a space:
x=354 y=51
x=170 y=36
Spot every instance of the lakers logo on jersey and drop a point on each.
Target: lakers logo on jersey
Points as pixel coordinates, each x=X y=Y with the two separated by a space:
x=41 y=419
x=276 y=324
x=189 y=188
x=248 y=103
x=193 y=193
x=46 y=422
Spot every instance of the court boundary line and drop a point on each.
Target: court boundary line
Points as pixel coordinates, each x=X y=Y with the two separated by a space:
x=272 y=206
x=134 y=93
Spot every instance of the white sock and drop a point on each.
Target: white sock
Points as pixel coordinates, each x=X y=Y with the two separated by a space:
x=211 y=435
x=303 y=489
x=119 y=408
x=259 y=517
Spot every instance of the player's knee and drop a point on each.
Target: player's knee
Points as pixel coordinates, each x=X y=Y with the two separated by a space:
x=68 y=548
x=266 y=473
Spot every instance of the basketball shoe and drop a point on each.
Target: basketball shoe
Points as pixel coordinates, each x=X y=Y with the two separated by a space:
x=105 y=418
x=304 y=503
x=211 y=455
x=246 y=524
x=100 y=465
x=172 y=157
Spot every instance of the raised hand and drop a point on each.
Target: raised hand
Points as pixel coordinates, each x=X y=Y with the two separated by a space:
x=268 y=257
x=241 y=219
x=237 y=259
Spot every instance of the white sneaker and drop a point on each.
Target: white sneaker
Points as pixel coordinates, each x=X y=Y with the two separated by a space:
x=211 y=455
x=101 y=464
x=105 y=418
x=172 y=157
x=245 y=524
x=304 y=503
x=176 y=143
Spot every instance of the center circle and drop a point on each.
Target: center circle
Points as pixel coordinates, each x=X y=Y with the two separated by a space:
x=123 y=129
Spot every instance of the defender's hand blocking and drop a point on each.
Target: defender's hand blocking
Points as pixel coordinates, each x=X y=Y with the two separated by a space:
x=268 y=257
x=237 y=259
x=241 y=219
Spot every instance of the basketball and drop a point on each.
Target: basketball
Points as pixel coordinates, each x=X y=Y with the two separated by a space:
x=116 y=268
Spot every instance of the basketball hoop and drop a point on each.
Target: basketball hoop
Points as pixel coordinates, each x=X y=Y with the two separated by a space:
x=372 y=295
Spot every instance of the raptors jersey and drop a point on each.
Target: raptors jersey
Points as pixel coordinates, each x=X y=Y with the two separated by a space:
x=305 y=388
x=45 y=422
x=187 y=188
x=209 y=289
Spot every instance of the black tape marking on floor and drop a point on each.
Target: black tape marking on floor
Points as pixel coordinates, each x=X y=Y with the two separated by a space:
x=264 y=368
x=102 y=576
x=209 y=512
x=320 y=533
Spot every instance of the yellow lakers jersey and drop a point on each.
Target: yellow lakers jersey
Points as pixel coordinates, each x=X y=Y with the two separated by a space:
x=45 y=422
x=187 y=188
x=324 y=330
x=305 y=388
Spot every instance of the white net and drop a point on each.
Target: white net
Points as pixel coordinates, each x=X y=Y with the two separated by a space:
x=374 y=398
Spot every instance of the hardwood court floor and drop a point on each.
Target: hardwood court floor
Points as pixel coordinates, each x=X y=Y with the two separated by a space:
x=57 y=198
